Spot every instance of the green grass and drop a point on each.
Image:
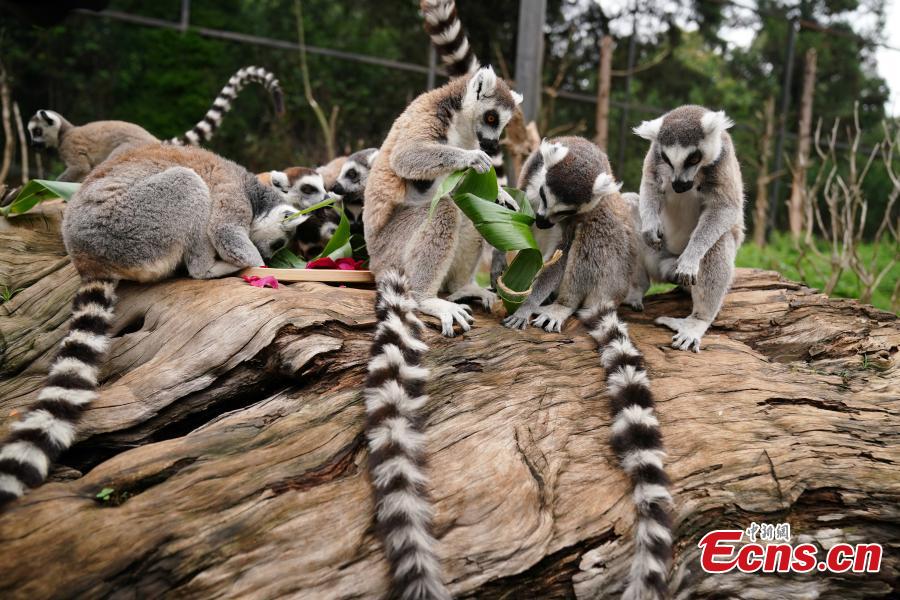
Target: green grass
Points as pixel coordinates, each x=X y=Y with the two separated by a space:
x=780 y=255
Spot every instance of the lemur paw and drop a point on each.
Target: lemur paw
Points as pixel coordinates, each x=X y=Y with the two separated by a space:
x=479 y=160
x=517 y=321
x=653 y=236
x=688 y=332
x=553 y=317
x=686 y=274
x=636 y=305
x=448 y=313
x=507 y=201
x=473 y=291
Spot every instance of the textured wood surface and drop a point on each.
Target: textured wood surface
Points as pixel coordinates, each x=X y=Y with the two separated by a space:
x=230 y=429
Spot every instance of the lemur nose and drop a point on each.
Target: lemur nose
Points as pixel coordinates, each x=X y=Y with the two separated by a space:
x=338 y=189
x=682 y=186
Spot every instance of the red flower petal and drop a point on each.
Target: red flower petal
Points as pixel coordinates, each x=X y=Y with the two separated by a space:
x=325 y=262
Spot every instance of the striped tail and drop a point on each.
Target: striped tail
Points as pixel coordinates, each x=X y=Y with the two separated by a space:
x=47 y=427
x=443 y=26
x=207 y=126
x=395 y=396
x=637 y=441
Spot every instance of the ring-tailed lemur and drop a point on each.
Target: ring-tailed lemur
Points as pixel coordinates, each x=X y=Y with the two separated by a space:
x=304 y=187
x=692 y=212
x=395 y=396
x=440 y=132
x=452 y=45
x=350 y=185
x=83 y=147
x=331 y=170
x=140 y=216
x=570 y=185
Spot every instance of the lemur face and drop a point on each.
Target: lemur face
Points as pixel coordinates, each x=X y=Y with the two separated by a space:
x=351 y=183
x=270 y=232
x=490 y=104
x=43 y=129
x=686 y=140
x=561 y=182
x=306 y=188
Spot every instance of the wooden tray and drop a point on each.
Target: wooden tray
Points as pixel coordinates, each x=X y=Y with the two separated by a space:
x=326 y=275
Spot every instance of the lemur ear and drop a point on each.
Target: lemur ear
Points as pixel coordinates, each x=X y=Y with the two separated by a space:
x=715 y=121
x=604 y=185
x=517 y=97
x=280 y=180
x=482 y=83
x=372 y=156
x=649 y=130
x=552 y=152
x=46 y=117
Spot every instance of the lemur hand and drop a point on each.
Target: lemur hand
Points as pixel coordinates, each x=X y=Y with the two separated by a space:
x=478 y=160
x=686 y=273
x=504 y=199
x=652 y=234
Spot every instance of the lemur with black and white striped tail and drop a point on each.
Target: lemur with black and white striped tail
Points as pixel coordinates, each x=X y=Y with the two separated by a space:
x=83 y=147
x=569 y=183
x=454 y=50
x=140 y=216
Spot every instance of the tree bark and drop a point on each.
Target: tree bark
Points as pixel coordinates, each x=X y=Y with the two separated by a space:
x=804 y=138
x=23 y=144
x=9 y=142
x=604 y=85
x=230 y=431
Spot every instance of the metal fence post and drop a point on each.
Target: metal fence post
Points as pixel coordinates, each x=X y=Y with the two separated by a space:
x=530 y=55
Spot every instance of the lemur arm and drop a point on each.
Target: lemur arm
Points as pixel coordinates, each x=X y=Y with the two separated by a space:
x=230 y=239
x=73 y=173
x=650 y=206
x=430 y=160
x=717 y=218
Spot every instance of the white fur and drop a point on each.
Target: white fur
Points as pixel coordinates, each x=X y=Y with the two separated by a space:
x=75 y=397
x=638 y=458
x=75 y=367
x=398 y=467
x=11 y=485
x=633 y=415
x=407 y=504
x=61 y=432
x=629 y=375
x=481 y=84
x=395 y=324
x=616 y=348
x=649 y=130
x=398 y=431
x=650 y=493
x=26 y=453
x=552 y=153
x=715 y=122
x=97 y=343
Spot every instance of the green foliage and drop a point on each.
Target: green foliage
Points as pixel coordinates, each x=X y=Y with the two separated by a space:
x=780 y=255
x=36 y=191
x=7 y=293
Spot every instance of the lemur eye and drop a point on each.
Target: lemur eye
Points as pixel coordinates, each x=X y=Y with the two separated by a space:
x=491 y=118
x=352 y=175
x=665 y=158
x=693 y=159
x=308 y=189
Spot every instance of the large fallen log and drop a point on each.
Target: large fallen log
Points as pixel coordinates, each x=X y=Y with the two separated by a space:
x=229 y=442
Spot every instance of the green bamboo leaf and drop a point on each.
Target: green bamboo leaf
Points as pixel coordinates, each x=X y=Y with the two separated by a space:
x=519 y=277
x=507 y=236
x=285 y=259
x=36 y=191
x=522 y=200
x=445 y=188
x=482 y=210
x=483 y=185
x=309 y=209
x=339 y=244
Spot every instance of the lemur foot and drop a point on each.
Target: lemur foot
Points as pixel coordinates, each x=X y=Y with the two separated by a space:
x=507 y=201
x=553 y=317
x=688 y=332
x=635 y=300
x=448 y=312
x=517 y=320
x=484 y=297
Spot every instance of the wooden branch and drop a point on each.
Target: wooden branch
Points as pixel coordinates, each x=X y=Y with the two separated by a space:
x=763 y=177
x=9 y=145
x=644 y=67
x=230 y=429
x=798 y=187
x=23 y=143
x=604 y=85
